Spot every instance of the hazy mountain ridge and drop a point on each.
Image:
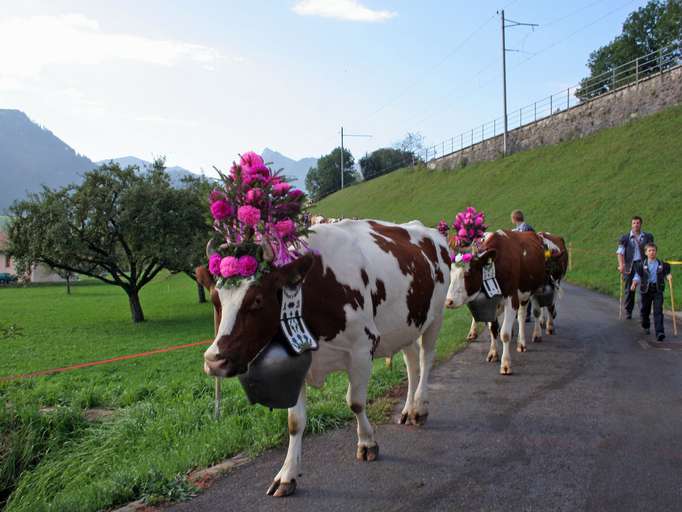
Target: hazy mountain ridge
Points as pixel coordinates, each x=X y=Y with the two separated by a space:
x=32 y=156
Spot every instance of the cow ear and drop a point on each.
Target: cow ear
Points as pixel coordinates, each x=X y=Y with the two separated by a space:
x=294 y=273
x=487 y=256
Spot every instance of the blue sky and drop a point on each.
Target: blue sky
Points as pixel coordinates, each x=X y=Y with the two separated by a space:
x=202 y=81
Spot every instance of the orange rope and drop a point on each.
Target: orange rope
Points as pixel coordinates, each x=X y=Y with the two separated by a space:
x=42 y=373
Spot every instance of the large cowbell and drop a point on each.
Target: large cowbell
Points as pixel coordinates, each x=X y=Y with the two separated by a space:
x=275 y=376
x=543 y=297
x=484 y=307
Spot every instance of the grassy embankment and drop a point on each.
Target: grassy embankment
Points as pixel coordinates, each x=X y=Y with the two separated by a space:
x=586 y=190
x=55 y=455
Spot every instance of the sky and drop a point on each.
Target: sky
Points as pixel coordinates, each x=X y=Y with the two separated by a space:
x=201 y=82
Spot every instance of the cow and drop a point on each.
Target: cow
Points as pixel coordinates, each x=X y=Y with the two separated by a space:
x=557 y=265
x=370 y=289
x=519 y=268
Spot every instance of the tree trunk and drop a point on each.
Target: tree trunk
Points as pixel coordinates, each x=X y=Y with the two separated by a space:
x=201 y=292
x=135 y=306
x=68 y=285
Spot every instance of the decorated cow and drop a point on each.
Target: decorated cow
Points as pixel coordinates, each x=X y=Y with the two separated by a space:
x=339 y=295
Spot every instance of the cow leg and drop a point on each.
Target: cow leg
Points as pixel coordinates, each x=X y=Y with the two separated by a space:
x=427 y=351
x=521 y=318
x=411 y=357
x=284 y=483
x=473 y=330
x=494 y=331
x=356 y=398
x=537 y=326
x=506 y=334
x=551 y=315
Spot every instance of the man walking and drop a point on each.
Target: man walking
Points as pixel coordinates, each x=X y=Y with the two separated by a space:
x=630 y=254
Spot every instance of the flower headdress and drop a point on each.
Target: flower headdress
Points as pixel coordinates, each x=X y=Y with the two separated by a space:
x=259 y=218
x=469 y=227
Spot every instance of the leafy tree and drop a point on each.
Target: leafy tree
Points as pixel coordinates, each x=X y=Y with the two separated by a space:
x=412 y=143
x=325 y=178
x=385 y=160
x=120 y=226
x=656 y=25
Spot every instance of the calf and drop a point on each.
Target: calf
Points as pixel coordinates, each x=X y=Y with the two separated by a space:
x=519 y=269
x=369 y=290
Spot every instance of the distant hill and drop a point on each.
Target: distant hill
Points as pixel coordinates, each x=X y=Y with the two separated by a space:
x=295 y=169
x=176 y=173
x=31 y=156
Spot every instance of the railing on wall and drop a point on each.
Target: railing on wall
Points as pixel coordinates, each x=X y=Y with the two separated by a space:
x=641 y=68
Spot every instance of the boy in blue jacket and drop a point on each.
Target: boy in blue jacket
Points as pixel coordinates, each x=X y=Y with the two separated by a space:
x=652 y=284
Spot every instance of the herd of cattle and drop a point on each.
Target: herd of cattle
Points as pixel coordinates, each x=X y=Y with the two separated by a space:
x=370 y=289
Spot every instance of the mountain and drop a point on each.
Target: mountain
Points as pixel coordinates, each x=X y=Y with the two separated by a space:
x=31 y=156
x=295 y=169
x=176 y=173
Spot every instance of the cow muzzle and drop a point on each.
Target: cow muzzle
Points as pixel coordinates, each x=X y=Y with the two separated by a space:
x=450 y=304
x=221 y=367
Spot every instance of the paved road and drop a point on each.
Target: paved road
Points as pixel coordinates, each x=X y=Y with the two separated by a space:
x=590 y=420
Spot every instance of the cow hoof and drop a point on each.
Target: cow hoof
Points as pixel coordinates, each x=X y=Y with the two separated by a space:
x=492 y=357
x=281 y=489
x=403 y=418
x=505 y=370
x=550 y=331
x=419 y=419
x=537 y=339
x=521 y=348
x=472 y=337
x=368 y=453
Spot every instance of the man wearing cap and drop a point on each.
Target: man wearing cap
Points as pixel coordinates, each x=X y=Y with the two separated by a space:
x=630 y=254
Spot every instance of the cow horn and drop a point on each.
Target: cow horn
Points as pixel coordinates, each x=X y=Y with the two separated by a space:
x=210 y=250
x=268 y=254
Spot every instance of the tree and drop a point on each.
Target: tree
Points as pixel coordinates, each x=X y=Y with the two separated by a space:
x=200 y=187
x=385 y=160
x=656 y=25
x=120 y=226
x=412 y=143
x=325 y=179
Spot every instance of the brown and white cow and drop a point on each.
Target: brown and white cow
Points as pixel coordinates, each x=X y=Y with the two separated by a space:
x=370 y=289
x=556 y=266
x=519 y=268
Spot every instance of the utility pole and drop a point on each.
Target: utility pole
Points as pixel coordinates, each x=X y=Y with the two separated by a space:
x=347 y=135
x=504 y=25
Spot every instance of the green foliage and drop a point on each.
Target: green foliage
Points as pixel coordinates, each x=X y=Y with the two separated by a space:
x=585 y=190
x=53 y=458
x=385 y=160
x=119 y=226
x=648 y=29
x=10 y=330
x=325 y=179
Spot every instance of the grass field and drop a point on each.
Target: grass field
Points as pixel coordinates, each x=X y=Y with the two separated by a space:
x=55 y=456
x=586 y=190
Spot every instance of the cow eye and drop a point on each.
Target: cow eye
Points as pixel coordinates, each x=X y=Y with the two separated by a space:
x=257 y=303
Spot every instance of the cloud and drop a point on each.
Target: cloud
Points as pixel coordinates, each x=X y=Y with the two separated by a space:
x=348 y=10
x=41 y=41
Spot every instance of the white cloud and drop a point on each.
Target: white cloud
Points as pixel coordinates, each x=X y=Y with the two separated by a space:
x=348 y=10
x=41 y=41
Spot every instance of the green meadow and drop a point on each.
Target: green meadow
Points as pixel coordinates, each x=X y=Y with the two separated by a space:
x=103 y=436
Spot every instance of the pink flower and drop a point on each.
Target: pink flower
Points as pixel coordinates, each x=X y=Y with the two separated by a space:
x=260 y=170
x=251 y=160
x=221 y=209
x=275 y=180
x=295 y=194
x=462 y=233
x=216 y=195
x=471 y=233
x=279 y=189
x=247 y=266
x=479 y=220
x=229 y=266
x=214 y=264
x=254 y=195
x=285 y=227
x=248 y=215
x=467 y=257
x=442 y=227
x=248 y=178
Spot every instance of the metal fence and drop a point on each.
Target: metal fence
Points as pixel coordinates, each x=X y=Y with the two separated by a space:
x=641 y=68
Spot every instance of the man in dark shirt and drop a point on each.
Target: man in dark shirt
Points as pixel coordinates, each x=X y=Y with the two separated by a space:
x=630 y=255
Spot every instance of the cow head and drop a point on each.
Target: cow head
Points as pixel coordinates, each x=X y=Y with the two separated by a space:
x=466 y=280
x=250 y=318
